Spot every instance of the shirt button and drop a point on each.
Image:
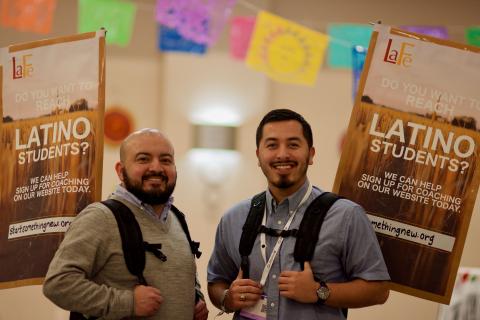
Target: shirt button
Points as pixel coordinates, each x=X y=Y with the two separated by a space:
x=274 y=276
x=279 y=221
x=272 y=304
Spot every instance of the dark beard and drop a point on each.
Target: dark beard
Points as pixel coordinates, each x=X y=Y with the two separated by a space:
x=283 y=183
x=154 y=197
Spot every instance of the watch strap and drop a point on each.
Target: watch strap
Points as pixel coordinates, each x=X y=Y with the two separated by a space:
x=222 y=301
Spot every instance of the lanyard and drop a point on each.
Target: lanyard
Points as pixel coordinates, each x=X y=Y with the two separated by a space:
x=276 y=248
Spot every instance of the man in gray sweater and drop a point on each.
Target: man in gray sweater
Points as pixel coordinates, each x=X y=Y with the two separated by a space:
x=88 y=273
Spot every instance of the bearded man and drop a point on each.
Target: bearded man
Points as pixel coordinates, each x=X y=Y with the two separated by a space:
x=89 y=274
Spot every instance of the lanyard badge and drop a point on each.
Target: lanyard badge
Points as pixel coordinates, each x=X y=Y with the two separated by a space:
x=256 y=312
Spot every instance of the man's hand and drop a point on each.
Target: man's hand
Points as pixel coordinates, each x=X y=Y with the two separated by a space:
x=201 y=311
x=299 y=285
x=147 y=301
x=242 y=293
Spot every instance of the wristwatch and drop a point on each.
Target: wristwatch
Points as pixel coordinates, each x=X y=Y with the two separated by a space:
x=323 y=292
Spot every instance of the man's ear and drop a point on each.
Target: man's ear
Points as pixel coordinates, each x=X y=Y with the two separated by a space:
x=119 y=169
x=258 y=163
x=311 y=155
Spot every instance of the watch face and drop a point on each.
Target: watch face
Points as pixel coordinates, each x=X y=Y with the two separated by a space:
x=323 y=292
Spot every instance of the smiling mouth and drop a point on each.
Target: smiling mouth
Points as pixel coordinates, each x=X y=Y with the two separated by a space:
x=155 y=179
x=283 y=166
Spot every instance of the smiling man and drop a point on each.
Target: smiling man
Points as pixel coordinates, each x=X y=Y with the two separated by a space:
x=347 y=268
x=89 y=273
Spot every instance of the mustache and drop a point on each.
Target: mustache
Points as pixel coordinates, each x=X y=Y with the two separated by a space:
x=160 y=175
x=274 y=163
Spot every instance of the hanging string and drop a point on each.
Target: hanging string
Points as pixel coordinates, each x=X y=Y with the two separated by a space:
x=248 y=5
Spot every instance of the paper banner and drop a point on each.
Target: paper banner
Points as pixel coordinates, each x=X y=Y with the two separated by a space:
x=171 y=40
x=286 y=51
x=28 y=15
x=411 y=155
x=472 y=35
x=437 y=32
x=240 y=34
x=117 y=17
x=201 y=21
x=358 y=59
x=52 y=103
x=342 y=38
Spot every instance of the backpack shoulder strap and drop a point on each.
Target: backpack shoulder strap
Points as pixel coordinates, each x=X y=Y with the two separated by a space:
x=309 y=229
x=250 y=230
x=132 y=240
x=194 y=246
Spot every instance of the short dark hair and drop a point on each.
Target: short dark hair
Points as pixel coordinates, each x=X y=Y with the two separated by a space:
x=285 y=115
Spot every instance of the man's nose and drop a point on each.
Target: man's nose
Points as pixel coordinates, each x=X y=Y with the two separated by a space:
x=283 y=152
x=156 y=165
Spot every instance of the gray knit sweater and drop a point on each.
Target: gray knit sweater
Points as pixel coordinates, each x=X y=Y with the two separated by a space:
x=88 y=273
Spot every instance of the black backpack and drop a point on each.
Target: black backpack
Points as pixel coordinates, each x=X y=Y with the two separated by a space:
x=134 y=248
x=306 y=234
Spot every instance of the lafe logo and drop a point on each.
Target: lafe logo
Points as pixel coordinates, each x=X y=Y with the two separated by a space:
x=22 y=69
x=400 y=57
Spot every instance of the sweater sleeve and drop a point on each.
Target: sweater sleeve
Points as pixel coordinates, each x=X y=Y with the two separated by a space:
x=83 y=253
